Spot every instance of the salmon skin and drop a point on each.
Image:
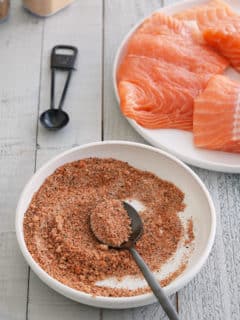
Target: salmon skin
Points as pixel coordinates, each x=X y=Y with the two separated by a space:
x=220 y=26
x=216 y=121
x=166 y=65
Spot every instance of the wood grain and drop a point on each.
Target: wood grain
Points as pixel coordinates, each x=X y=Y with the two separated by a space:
x=207 y=295
x=45 y=303
x=214 y=293
x=229 y=202
x=19 y=85
x=170 y=2
x=79 y=25
x=119 y=17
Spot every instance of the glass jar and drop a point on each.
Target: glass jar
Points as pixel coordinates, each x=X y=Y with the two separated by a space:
x=44 y=8
x=4 y=9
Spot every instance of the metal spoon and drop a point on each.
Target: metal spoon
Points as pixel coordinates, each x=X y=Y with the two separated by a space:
x=137 y=230
x=54 y=119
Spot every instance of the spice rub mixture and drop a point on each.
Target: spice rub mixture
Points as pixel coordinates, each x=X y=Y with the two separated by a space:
x=57 y=224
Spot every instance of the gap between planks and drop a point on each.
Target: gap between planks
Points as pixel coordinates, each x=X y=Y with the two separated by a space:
x=36 y=147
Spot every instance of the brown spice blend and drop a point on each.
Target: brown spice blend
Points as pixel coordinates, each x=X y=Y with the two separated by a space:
x=190 y=233
x=57 y=227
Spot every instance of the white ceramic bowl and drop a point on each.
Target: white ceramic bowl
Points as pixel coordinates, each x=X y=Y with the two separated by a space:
x=144 y=157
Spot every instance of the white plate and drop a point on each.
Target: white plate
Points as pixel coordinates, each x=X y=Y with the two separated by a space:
x=177 y=142
x=198 y=205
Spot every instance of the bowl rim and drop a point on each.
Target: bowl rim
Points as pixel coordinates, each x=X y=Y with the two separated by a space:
x=112 y=302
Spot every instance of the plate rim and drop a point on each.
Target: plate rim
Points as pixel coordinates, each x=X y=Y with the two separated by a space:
x=206 y=164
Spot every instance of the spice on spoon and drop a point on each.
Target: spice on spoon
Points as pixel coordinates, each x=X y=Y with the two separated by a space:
x=110 y=222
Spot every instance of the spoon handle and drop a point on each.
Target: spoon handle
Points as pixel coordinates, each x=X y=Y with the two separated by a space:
x=155 y=286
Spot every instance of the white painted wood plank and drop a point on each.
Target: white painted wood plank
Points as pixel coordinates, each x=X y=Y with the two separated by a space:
x=47 y=304
x=214 y=293
x=229 y=189
x=151 y=312
x=82 y=23
x=79 y=25
x=119 y=17
x=169 y=2
x=19 y=83
x=207 y=295
x=13 y=278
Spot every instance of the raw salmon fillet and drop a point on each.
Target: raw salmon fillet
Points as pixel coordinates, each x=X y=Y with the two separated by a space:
x=193 y=56
x=207 y=15
x=216 y=121
x=161 y=24
x=220 y=27
x=164 y=68
x=157 y=94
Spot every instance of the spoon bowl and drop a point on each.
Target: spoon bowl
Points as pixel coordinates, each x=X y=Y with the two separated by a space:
x=54 y=119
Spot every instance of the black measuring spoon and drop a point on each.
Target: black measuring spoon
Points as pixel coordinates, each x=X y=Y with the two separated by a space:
x=137 y=230
x=56 y=118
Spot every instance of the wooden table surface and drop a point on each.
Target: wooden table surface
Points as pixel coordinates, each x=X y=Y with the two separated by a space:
x=96 y=27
